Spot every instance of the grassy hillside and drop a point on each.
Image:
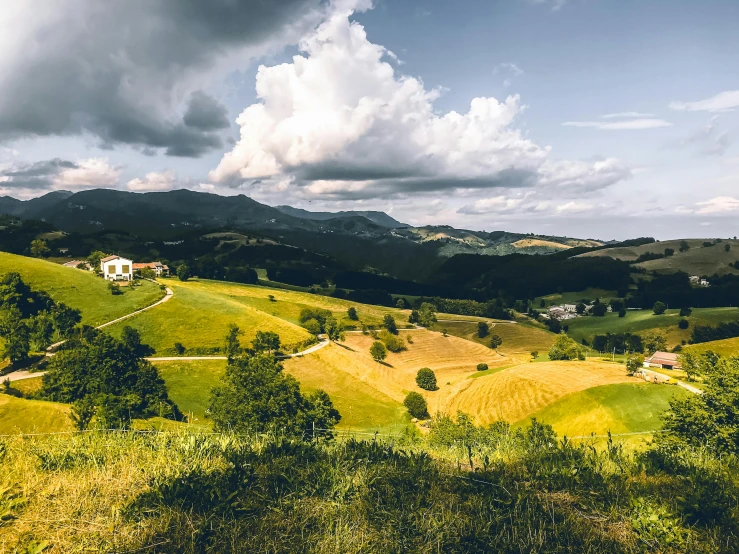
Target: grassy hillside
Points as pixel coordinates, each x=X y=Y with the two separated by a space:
x=18 y=415
x=79 y=289
x=725 y=347
x=518 y=339
x=618 y=408
x=637 y=321
x=198 y=317
x=698 y=260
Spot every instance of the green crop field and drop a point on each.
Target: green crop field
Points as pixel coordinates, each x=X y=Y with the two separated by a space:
x=79 y=289
x=362 y=408
x=618 y=408
x=18 y=415
x=637 y=321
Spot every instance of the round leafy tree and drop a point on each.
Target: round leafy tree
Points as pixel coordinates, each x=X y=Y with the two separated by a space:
x=683 y=324
x=659 y=308
x=416 y=405
x=378 y=351
x=426 y=379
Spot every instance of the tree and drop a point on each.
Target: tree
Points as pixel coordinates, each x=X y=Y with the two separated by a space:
x=599 y=309
x=659 y=308
x=378 y=351
x=580 y=308
x=131 y=338
x=312 y=326
x=483 y=329
x=233 y=345
x=495 y=342
x=654 y=341
x=683 y=324
x=684 y=246
x=727 y=247
x=94 y=259
x=669 y=252
x=416 y=405
x=183 y=272
x=685 y=312
x=147 y=273
x=622 y=312
x=255 y=396
x=82 y=413
x=634 y=363
x=111 y=376
x=415 y=316
x=389 y=323
x=711 y=419
x=179 y=348
x=482 y=366
x=426 y=379
x=401 y=304
x=64 y=318
x=352 y=313
x=535 y=354
x=17 y=339
x=334 y=329
x=41 y=329
x=39 y=248
x=564 y=348
x=427 y=314
x=266 y=341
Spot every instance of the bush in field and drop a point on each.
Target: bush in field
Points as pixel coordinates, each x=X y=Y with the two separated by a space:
x=392 y=342
x=179 y=348
x=495 y=342
x=426 y=379
x=685 y=312
x=312 y=326
x=482 y=367
x=482 y=329
x=683 y=324
x=416 y=405
x=659 y=308
x=352 y=313
x=389 y=323
x=634 y=363
x=564 y=348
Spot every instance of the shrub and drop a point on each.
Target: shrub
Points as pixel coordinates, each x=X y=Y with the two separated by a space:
x=179 y=348
x=416 y=405
x=389 y=323
x=683 y=324
x=482 y=367
x=564 y=348
x=495 y=342
x=482 y=329
x=685 y=312
x=622 y=312
x=659 y=308
x=426 y=379
x=392 y=343
x=352 y=313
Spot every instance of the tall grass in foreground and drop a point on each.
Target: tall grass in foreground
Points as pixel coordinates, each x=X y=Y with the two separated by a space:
x=179 y=492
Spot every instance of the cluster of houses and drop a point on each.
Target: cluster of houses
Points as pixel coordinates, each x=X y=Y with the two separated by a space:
x=118 y=268
x=698 y=281
x=569 y=311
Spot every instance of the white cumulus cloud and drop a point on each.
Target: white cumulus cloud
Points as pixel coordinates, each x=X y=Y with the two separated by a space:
x=340 y=122
x=718 y=205
x=92 y=172
x=154 y=181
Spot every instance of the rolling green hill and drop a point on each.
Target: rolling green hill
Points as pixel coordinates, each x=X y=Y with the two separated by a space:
x=698 y=260
x=79 y=289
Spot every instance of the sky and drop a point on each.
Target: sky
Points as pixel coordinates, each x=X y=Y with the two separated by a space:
x=606 y=119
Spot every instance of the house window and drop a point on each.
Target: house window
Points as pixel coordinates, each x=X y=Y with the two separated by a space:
x=125 y=269
x=111 y=269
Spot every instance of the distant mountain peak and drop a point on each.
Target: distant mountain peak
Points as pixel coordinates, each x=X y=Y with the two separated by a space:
x=376 y=217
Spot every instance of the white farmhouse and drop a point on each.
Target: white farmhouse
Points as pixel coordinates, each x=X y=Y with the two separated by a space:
x=115 y=268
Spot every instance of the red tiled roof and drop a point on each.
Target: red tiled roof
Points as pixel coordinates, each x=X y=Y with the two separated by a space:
x=152 y=265
x=109 y=258
x=666 y=358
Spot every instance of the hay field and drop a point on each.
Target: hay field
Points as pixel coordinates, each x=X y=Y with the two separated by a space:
x=520 y=391
x=529 y=243
x=79 y=289
x=518 y=340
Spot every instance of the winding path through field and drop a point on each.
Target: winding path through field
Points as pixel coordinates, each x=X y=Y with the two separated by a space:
x=323 y=342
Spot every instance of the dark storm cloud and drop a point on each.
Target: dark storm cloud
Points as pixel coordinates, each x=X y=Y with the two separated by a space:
x=126 y=71
x=37 y=176
x=205 y=113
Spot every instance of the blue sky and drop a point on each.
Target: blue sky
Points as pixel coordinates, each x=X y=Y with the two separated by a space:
x=594 y=118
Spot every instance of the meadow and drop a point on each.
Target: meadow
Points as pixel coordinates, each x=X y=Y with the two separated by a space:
x=637 y=321
x=81 y=290
x=519 y=339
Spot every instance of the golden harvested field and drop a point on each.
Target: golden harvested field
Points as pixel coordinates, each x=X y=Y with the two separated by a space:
x=528 y=243
x=517 y=392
